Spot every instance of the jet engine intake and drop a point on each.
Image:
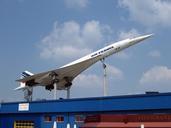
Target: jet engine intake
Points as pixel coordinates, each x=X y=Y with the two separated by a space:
x=31 y=83
x=49 y=87
x=68 y=84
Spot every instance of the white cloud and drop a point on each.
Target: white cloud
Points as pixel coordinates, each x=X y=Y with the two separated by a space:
x=155 y=54
x=128 y=34
x=157 y=75
x=92 y=84
x=149 y=12
x=76 y=3
x=88 y=80
x=123 y=34
x=87 y=85
x=72 y=40
x=114 y=72
x=123 y=55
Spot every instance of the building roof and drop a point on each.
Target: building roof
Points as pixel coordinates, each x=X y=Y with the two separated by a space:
x=126 y=103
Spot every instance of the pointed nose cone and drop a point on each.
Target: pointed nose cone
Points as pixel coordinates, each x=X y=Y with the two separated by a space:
x=144 y=37
x=140 y=38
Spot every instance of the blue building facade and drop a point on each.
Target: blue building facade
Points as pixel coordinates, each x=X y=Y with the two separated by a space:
x=43 y=114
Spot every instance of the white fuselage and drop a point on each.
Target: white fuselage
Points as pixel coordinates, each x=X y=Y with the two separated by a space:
x=68 y=72
x=110 y=49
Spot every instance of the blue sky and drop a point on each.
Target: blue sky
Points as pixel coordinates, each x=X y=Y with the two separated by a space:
x=41 y=35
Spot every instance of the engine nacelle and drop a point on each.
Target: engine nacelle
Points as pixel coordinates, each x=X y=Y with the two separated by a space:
x=49 y=87
x=68 y=84
x=31 y=83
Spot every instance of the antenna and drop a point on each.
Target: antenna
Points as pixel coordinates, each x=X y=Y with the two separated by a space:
x=104 y=77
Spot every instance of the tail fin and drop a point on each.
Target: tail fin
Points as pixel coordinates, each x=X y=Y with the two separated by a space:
x=23 y=75
x=26 y=74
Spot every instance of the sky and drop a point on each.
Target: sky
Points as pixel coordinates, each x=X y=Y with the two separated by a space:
x=45 y=34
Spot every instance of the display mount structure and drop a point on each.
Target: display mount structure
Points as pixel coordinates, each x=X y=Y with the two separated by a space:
x=104 y=77
x=28 y=94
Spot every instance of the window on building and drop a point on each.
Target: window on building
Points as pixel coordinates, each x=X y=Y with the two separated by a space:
x=47 y=118
x=23 y=124
x=60 y=119
x=79 y=118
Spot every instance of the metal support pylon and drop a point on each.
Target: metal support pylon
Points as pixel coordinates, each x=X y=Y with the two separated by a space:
x=104 y=77
x=68 y=93
x=55 y=91
x=28 y=94
x=55 y=81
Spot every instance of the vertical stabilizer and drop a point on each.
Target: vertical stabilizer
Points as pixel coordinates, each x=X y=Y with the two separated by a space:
x=23 y=75
x=28 y=91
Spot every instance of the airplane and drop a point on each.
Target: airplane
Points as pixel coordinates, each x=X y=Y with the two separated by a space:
x=61 y=78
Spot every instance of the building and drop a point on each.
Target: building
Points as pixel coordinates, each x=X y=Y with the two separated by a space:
x=72 y=112
x=154 y=120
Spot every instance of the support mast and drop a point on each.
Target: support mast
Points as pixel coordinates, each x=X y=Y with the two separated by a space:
x=104 y=77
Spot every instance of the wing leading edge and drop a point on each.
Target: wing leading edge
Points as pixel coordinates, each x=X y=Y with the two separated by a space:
x=64 y=74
